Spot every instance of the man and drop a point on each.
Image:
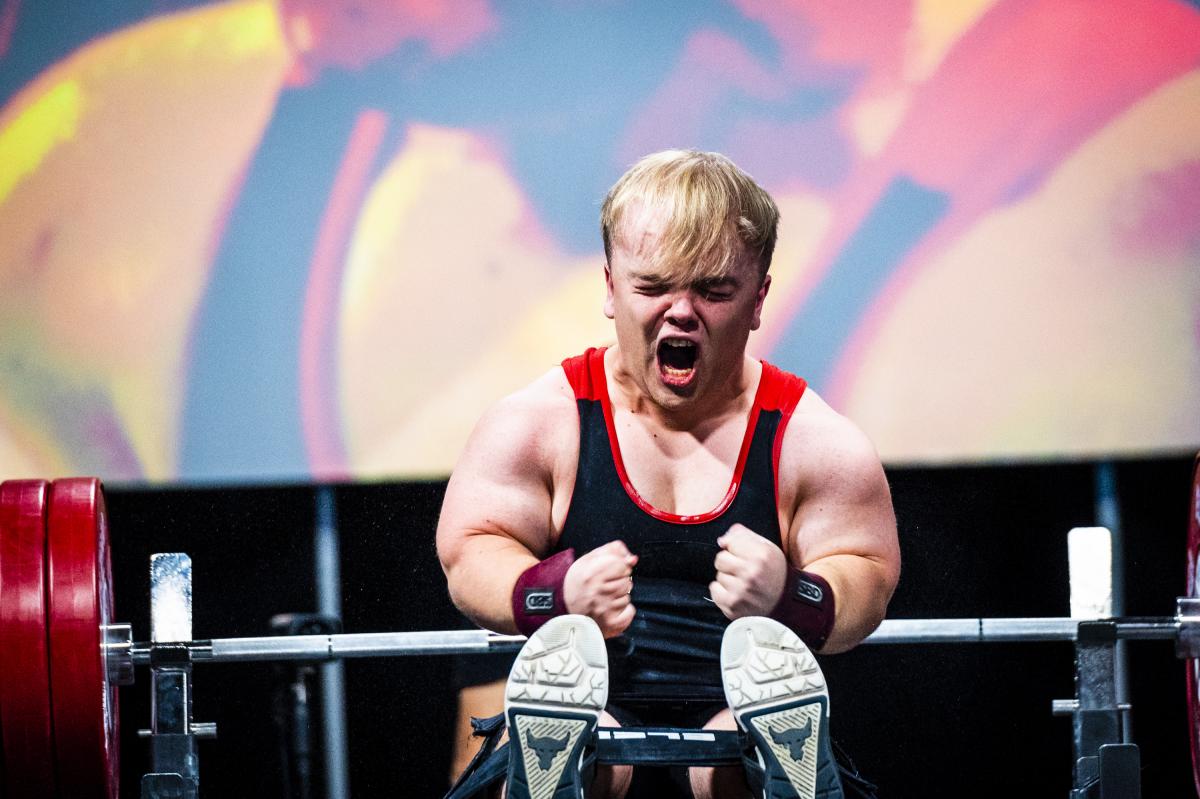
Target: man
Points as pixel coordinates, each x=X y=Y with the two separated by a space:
x=662 y=488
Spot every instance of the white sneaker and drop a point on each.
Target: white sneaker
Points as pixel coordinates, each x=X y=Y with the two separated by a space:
x=556 y=690
x=777 y=694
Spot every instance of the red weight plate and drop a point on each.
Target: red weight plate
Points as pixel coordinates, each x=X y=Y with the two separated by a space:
x=83 y=701
x=25 y=719
x=1193 y=664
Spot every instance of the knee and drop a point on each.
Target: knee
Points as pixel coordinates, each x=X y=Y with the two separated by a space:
x=708 y=782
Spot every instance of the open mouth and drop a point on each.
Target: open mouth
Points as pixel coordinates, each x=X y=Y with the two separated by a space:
x=677 y=361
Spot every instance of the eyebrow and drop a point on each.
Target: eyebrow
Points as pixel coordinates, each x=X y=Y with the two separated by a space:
x=716 y=282
x=652 y=279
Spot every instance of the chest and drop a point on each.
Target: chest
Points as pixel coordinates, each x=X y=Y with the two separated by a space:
x=680 y=472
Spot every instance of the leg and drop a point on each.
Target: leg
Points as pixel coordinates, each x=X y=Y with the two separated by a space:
x=611 y=782
x=724 y=782
x=479 y=701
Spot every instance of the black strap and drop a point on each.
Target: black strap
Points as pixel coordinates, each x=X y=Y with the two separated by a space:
x=668 y=746
x=489 y=729
x=639 y=746
x=634 y=746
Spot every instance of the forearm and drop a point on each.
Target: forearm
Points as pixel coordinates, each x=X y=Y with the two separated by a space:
x=481 y=574
x=862 y=587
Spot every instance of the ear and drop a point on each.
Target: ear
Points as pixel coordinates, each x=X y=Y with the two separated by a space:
x=758 y=304
x=608 y=299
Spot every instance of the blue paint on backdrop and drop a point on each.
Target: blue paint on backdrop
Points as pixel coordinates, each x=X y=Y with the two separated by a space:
x=241 y=415
x=817 y=334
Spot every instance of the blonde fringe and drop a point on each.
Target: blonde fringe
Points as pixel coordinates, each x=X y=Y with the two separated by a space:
x=713 y=215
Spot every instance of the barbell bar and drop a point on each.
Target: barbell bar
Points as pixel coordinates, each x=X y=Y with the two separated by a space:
x=335 y=646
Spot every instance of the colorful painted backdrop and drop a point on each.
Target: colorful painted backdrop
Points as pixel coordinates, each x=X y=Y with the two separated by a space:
x=260 y=240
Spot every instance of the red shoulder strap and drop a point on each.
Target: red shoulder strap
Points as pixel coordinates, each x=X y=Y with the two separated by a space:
x=585 y=373
x=780 y=390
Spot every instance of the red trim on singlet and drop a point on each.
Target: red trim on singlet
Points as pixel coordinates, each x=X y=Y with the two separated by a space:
x=777 y=390
x=786 y=389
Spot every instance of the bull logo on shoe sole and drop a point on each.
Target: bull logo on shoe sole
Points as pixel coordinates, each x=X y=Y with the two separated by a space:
x=793 y=739
x=546 y=748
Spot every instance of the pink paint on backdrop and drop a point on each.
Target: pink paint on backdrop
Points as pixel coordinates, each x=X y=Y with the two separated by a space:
x=350 y=34
x=103 y=436
x=319 y=411
x=1031 y=82
x=1164 y=213
x=818 y=39
x=8 y=23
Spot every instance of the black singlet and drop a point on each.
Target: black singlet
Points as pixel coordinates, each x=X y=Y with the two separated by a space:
x=671 y=650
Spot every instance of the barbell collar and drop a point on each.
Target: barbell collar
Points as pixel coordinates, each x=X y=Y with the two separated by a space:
x=117 y=641
x=1187 y=645
x=1069 y=707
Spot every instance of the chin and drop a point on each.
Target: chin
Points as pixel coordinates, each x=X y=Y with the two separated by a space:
x=669 y=396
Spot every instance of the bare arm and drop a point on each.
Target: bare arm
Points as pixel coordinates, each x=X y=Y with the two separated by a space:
x=496 y=518
x=843 y=526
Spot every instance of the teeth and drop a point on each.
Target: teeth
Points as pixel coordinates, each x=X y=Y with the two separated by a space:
x=675 y=342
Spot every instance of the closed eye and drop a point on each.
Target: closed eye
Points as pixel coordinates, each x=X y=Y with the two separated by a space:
x=716 y=290
x=651 y=289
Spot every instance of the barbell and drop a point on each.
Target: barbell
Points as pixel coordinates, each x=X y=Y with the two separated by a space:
x=64 y=656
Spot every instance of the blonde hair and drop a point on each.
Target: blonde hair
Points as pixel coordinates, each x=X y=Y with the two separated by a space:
x=713 y=213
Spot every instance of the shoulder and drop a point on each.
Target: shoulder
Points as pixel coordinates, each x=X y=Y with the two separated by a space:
x=511 y=471
x=822 y=448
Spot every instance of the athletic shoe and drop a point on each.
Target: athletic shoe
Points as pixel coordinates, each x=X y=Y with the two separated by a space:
x=556 y=690
x=777 y=694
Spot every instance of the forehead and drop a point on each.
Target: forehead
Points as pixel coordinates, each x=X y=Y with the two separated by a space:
x=642 y=228
x=648 y=246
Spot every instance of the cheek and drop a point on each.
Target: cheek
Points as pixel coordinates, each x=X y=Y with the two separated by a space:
x=631 y=322
x=727 y=323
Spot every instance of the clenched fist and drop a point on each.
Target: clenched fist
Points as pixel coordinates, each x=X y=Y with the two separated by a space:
x=598 y=585
x=751 y=574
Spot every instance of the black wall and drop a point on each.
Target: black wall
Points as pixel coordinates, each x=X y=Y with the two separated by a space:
x=922 y=721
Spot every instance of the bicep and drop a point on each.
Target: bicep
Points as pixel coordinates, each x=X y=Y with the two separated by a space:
x=844 y=506
x=499 y=496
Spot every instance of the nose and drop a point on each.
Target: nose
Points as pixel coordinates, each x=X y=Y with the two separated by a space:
x=682 y=313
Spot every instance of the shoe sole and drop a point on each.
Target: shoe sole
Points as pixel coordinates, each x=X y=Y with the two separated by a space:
x=777 y=694
x=556 y=691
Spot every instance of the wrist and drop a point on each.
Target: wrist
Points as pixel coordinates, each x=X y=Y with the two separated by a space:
x=537 y=596
x=806 y=607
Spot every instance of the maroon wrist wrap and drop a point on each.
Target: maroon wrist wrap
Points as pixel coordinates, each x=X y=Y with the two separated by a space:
x=537 y=596
x=806 y=607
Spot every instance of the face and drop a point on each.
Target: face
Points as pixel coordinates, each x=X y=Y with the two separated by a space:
x=680 y=343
